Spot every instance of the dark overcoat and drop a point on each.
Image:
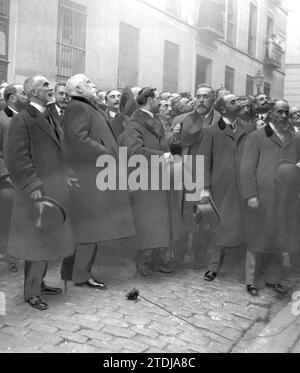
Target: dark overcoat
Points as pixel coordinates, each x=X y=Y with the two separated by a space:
x=51 y=108
x=36 y=159
x=222 y=150
x=6 y=116
x=274 y=226
x=97 y=215
x=191 y=136
x=156 y=212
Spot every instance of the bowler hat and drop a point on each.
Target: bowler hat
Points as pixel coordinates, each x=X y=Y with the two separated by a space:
x=206 y=214
x=287 y=174
x=47 y=213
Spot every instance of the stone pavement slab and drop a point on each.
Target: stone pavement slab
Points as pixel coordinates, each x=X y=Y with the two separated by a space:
x=178 y=312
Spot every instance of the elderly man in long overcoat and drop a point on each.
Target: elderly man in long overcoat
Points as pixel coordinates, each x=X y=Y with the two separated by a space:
x=156 y=212
x=272 y=220
x=36 y=161
x=190 y=131
x=222 y=146
x=97 y=214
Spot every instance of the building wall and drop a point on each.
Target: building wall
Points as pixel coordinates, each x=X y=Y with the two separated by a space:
x=292 y=83
x=155 y=28
x=34 y=41
x=33 y=37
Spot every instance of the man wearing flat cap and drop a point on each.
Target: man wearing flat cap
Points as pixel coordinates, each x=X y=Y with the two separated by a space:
x=36 y=161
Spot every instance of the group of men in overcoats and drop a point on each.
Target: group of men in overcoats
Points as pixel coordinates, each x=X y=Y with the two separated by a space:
x=53 y=152
x=39 y=160
x=240 y=166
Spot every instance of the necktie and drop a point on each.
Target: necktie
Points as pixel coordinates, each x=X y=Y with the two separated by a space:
x=52 y=123
x=233 y=127
x=61 y=112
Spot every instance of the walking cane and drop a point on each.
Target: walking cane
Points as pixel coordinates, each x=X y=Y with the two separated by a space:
x=170 y=205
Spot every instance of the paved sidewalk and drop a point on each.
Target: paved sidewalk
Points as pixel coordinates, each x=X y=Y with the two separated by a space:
x=217 y=314
x=282 y=334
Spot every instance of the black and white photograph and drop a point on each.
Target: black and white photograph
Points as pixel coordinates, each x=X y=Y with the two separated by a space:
x=149 y=179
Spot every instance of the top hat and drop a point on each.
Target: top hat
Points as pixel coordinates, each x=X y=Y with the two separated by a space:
x=206 y=214
x=47 y=213
x=287 y=174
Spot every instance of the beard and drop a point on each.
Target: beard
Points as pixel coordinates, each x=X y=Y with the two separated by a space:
x=284 y=126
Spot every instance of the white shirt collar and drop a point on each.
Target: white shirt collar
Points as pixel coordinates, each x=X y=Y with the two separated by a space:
x=148 y=112
x=280 y=135
x=39 y=107
x=264 y=115
x=112 y=114
x=14 y=111
x=227 y=121
x=58 y=109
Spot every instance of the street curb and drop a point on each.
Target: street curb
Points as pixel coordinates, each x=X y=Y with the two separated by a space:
x=281 y=334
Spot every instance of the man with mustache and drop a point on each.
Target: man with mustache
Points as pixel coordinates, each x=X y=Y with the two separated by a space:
x=112 y=101
x=272 y=215
x=247 y=112
x=97 y=215
x=62 y=100
x=263 y=104
x=36 y=160
x=190 y=129
x=222 y=146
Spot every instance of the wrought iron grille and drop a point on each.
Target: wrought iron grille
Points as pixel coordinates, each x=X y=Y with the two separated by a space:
x=71 y=39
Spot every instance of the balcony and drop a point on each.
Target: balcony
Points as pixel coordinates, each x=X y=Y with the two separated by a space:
x=274 y=54
x=211 y=19
x=274 y=3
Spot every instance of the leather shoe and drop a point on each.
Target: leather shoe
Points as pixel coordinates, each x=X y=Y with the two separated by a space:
x=92 y=284
x=279 y=288
x=252 y=290
x=38 y=303
x=47 y=290
x=210 y=276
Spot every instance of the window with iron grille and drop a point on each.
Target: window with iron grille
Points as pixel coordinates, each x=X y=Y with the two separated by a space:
x=4 y=37
x=172 y=7
x=128 y=69
x=71 y=39
x=229 y=79
x=249 y=85
x=252 y=30
x=171 y=64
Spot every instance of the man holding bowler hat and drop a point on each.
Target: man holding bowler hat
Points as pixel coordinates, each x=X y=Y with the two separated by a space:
x=37 y=164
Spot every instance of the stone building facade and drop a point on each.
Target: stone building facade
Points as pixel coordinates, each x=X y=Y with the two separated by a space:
x=170 y=44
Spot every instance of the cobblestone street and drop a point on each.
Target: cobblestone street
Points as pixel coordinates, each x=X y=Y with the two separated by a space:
x=220 y=316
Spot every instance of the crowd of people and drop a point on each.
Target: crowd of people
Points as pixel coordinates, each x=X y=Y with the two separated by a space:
x=52 y=208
